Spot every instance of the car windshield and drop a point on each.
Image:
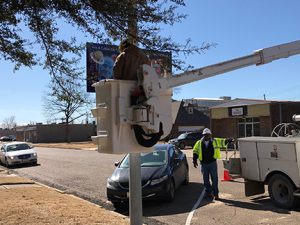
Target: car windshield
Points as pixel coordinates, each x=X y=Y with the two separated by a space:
x=182 y=136
x=17 y=147
x=150 y=159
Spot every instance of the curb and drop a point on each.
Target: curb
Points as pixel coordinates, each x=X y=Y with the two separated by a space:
x=2 y=169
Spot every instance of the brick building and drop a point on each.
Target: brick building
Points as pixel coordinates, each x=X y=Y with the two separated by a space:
x=51 y=133
x=251 y=117
x=7 y=132
x=192 y=114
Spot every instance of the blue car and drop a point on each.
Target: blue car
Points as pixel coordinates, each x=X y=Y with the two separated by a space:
x=162 y=171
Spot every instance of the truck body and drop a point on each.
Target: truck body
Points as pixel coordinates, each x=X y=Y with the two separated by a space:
x=263 y=156
x=272 y=161
x=124 y=126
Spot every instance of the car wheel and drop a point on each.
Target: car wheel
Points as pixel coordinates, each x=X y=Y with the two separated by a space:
x=171 y=193
x=187 y=178
x=118 y=205
x=182 y=145
x=281 y=191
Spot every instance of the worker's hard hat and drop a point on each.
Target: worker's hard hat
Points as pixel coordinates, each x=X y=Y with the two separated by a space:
x=206 y=131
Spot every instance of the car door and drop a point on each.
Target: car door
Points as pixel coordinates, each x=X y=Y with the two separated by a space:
x=174 y=165
x=194 y=137
x=2 y=154
x=181 y=164
x=178 y=169
x=189 y=139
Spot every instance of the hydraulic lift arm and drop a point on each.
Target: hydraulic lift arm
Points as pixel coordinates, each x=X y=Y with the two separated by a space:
x=258 y=58
x=124 y=126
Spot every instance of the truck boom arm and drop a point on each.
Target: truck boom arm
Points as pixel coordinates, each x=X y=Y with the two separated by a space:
x=127 y=125
x=259 y=57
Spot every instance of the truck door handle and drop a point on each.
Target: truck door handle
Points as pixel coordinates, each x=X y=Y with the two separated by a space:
x=244 y=159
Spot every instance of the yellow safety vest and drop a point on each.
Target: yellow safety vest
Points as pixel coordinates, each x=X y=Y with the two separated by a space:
x=218 y=143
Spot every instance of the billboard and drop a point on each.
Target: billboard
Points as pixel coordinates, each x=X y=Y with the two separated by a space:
x=100 y=59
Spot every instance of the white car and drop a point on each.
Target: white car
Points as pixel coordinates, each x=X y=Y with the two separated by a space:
x=15 y=153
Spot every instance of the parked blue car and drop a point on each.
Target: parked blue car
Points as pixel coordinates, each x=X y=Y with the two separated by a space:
x=162 y=171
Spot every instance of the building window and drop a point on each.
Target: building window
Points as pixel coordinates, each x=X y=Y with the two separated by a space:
x=249 y=127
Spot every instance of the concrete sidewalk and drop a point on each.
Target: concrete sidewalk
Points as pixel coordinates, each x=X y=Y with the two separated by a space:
x=22 y=201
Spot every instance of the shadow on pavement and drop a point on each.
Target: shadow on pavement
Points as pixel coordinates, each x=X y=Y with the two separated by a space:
x=185 y=199
x=259 y=203
x=20 y=166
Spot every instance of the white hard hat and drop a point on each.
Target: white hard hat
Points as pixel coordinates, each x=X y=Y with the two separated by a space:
x=206 y=131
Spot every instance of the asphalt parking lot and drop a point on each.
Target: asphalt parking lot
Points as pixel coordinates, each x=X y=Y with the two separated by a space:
x=84 y=174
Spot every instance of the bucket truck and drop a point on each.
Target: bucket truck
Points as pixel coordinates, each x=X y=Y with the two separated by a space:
x=129 y=124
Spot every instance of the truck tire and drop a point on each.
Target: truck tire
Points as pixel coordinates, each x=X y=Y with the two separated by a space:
x=281 y=191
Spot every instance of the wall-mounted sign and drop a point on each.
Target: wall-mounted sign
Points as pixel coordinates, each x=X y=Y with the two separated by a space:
x=100 y=59
x=238 y=111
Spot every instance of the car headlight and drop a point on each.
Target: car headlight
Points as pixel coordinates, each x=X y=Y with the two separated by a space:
x=11 y=157
x=34 y=154
x=159 y=180
x=112 y=183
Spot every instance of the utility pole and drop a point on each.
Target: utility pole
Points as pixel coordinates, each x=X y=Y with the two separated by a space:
x=135 y=185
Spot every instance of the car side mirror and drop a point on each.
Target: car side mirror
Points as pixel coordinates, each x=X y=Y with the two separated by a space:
x=117 y=164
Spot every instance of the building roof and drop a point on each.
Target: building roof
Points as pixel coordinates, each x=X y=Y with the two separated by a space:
x=204 y=102
x=241 y=102
x=190 y=119
x=207 y=99
x=175 y=108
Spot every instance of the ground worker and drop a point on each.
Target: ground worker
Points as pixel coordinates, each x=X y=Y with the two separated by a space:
x=128 y=61
x=207 y=150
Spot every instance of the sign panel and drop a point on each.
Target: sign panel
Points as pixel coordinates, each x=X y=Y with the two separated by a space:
x=100 y=59
x=238 y=111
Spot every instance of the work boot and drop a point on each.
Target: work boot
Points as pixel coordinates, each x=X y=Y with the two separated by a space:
x=208 y=196
x=216 y=197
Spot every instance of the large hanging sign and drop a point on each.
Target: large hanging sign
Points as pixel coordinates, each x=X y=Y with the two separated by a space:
x=100 y=59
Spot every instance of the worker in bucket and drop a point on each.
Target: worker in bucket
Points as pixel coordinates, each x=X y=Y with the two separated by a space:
x=128 y=61
x=126 y=67
x=207 y=150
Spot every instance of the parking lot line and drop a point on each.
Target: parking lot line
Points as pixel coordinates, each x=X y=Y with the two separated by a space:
x=190 y=216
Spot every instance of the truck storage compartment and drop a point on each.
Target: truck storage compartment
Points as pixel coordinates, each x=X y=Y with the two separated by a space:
x=249 y=159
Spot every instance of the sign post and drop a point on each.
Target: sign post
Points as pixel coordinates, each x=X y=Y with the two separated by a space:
x=135 y=189
x=135 y=185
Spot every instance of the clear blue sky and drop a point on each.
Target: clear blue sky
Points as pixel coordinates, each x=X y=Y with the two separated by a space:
x=238 y=27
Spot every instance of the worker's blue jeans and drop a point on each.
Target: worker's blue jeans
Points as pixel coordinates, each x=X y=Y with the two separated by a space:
x=210 y=171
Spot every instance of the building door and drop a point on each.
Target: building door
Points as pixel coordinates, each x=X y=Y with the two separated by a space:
x=248 y=127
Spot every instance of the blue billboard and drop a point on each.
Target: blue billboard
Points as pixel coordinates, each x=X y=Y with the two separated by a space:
x=100 y=59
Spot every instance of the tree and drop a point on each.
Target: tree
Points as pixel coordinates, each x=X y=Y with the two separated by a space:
x=59 y=104
x=9 y=123
x=104 y=21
